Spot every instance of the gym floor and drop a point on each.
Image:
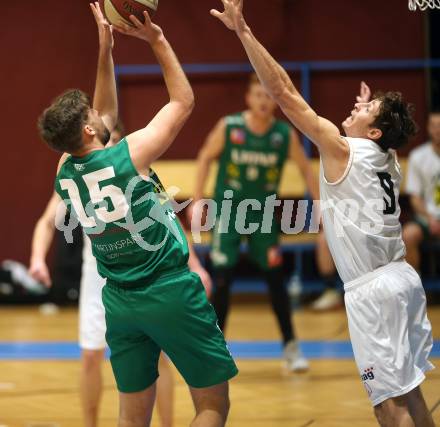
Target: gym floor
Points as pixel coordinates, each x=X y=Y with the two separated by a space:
x=39 y=370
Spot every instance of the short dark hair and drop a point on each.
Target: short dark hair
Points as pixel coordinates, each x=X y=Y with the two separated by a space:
x=61 y=125
x=394 y=120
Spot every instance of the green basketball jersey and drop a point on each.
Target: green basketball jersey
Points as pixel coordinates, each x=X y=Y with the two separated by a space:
x=132 y=226
x=251 y=165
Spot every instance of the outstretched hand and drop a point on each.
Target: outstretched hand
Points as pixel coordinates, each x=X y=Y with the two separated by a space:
x=232 y=16
x=38 y=271
x=365 y=94
x=105 y=30
x=148 y=31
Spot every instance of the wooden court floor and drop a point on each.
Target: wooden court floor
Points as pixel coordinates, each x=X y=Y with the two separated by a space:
x=35 y=393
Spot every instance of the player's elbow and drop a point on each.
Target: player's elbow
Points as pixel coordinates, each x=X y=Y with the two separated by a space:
x=185 y=100
x=185 y=107
x=190 y=102
x=48 y=223
x=205 y=157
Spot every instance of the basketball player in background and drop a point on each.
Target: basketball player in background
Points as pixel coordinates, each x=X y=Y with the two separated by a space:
x=252 y=148
x=152 y=301
x=423 y=187
x=92 y=315
x=385 y=301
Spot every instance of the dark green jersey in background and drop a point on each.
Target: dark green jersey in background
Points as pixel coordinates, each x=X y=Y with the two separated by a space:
x=251 y=165
x=131 y=223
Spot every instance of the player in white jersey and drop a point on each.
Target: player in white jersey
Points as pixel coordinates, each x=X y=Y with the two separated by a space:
x=360 y=175
x=423 y=187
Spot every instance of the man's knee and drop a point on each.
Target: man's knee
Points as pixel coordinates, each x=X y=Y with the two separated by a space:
x=380 y=415
x=215 y=398
x=393 y=412
x=135 y=409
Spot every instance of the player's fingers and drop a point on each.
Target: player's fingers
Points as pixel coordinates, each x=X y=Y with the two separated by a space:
x=98 y=8
x=99 y=17
x=33 y=273
x=147 y=17
x=45 y=280
x=216 y=13
x=95 y=14
x=365 y=87
x=136 y=22
x=102 y=18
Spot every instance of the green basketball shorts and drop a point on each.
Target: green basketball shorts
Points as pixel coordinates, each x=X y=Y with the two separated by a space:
x=263 y=248
x=170 y=314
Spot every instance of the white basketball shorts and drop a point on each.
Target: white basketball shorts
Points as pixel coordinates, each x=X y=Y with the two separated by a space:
x=389 y=330
x=91 y=309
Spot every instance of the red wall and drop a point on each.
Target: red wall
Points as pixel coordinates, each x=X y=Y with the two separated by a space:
x=50 y=46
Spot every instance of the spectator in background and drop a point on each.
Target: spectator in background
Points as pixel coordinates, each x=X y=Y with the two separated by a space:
x=423 y=187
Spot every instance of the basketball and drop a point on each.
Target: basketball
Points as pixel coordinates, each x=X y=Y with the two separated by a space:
x=119 y=11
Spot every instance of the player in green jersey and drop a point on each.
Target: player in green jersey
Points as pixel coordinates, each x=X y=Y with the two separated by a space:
x=92 y=314
x=152 y=301
x=252 y=148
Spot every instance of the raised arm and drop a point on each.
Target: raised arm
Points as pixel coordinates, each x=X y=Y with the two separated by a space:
x=105 y=99
x=149 y=143
x=42 y=239
x=211 y=150
x=277 y=82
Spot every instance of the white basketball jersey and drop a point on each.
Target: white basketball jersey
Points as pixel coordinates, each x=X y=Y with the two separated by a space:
x=361 y=211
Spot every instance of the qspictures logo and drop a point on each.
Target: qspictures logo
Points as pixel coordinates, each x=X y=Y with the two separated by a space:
x=103 y=205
